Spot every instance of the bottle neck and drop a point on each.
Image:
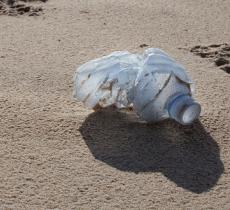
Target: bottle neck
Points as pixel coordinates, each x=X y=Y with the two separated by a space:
x=183 y=109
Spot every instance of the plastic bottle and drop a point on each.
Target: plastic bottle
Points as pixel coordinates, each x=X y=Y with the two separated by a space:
x=155 y=85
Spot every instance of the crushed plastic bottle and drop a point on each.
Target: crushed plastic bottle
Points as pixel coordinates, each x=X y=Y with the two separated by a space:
x=155 y=85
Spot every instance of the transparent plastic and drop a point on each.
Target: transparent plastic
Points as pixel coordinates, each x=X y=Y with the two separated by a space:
x=183 y=109
x=151 y=83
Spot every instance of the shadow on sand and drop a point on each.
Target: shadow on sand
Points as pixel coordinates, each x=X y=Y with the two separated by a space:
x=188 y=156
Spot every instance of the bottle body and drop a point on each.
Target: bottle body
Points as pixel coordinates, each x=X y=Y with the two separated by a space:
x=149 y=82
x=107 y=81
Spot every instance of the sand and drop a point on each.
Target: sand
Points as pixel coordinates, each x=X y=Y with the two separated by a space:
x=55 y=154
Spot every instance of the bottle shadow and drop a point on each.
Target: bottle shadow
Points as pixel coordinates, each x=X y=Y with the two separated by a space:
x=188 y=156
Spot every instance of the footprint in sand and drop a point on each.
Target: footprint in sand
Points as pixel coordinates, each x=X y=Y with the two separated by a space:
x=218 y=53
x=20 y=7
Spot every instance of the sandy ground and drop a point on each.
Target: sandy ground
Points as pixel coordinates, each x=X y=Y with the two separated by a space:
x=55 y=154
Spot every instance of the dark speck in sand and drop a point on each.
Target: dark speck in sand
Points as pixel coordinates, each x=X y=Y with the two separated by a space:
x=84 y=12
x=143 y=45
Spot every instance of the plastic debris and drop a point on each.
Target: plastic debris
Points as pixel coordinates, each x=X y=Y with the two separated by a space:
x=155 y=85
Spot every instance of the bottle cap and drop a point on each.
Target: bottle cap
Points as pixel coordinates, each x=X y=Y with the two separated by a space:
x=190 y=113
x=184 y=109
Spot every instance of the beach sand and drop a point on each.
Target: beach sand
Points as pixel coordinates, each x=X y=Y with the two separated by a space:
x=55 y=154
